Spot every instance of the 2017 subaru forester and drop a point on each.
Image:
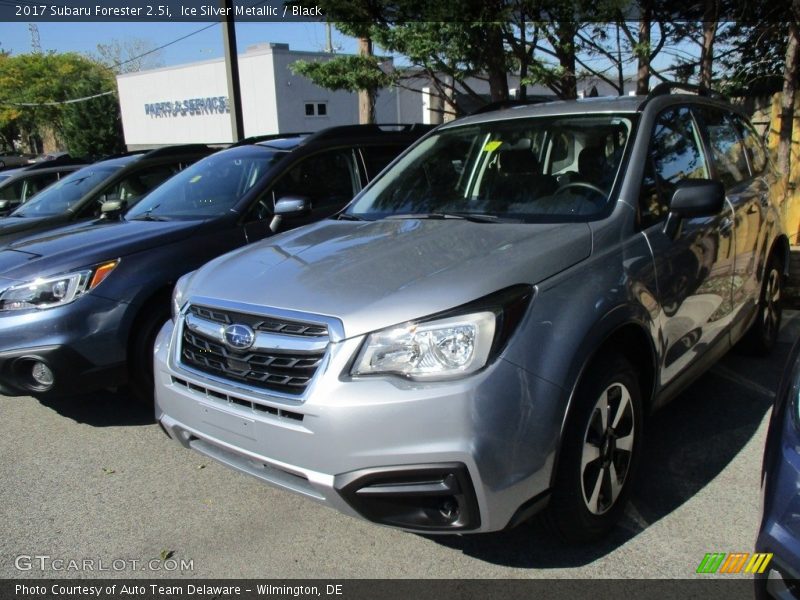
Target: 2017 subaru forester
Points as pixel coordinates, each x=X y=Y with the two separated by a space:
x=482 y=332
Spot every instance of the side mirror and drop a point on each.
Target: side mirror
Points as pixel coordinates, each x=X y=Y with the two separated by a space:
x=113 y=209
x=289 y=207
x=694 y=198
x=697 y=198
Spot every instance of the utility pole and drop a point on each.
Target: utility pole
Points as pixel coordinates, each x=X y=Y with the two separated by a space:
x=328 y=38
x=232 y=71
x=36 y=41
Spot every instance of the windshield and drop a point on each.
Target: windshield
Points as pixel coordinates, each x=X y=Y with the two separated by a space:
x=210 y=187
x=62 y=195
x=522 y=170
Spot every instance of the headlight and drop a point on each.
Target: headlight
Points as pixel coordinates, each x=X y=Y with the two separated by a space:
x=55 y=291
x=179 y=293
x=442 y=349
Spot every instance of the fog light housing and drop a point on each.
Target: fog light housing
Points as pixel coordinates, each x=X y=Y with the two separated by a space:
x=42 y=374
x=435 y=497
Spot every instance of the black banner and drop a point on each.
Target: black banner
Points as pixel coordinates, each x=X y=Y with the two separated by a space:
x=757 y=11
x=229 y=589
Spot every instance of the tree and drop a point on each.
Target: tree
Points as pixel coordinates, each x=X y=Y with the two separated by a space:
x=790 y=74
x=352 y=73
x=129 y=55
x=38 y=94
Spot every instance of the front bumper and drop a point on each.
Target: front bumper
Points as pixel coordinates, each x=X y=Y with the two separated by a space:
x=486 y=442
x=79 y=342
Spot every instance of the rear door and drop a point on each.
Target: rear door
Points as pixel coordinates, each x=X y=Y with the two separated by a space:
x=694 y=265
x=746 y=194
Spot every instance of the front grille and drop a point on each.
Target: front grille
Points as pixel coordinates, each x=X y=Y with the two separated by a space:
x=230 y=399
x=257 y=323
x=287 y=371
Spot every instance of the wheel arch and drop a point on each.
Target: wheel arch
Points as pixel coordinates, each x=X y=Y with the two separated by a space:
x=625 y=332
x=780 y=247
x=159 y=296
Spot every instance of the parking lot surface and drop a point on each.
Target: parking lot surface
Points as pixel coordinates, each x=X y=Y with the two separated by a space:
x=93 y=478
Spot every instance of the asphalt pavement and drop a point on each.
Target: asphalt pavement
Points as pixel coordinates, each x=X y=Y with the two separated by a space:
x=94 y=479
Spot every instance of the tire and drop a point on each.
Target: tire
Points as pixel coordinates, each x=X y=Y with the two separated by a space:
x=595 y=468
x=140 y=353
x=762 y=336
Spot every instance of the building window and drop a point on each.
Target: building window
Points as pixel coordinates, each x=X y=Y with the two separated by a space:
x=316 y=109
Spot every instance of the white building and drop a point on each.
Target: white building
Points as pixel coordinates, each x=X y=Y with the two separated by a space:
x=189 y=103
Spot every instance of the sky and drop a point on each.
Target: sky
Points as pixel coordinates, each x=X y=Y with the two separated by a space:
x=84 y=37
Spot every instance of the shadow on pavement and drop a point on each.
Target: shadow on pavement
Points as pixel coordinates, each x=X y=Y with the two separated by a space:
x=688 y=443
x=102 y=409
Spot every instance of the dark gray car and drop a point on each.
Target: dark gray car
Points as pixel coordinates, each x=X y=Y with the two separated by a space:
x=79 y=197
x=483 y=331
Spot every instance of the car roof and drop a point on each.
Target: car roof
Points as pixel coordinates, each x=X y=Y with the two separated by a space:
x=582 y=106
x=588 y=106
x=27 y=172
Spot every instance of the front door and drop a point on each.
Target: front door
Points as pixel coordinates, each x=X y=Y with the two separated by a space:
x=694 y=262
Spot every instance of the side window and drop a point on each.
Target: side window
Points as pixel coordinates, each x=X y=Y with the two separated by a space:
x=752 y=145
x=675 y=154
x=37 y=184
x=138 y=184
x=377 y=157
x=726 y=148
x=13 y=191
x=328 y=179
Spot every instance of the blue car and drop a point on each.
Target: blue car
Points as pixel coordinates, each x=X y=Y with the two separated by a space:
x=780 y=522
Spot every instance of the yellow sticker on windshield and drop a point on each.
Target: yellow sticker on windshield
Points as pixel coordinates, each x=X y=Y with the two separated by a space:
x=492 y=146
x=195 y=179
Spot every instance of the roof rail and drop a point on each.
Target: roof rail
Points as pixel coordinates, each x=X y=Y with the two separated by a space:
x=254 y=139
x=56 y=162
x=370 y=129
x=176 y=150
x=665 y=88
x=511 y=103
x=122 y=154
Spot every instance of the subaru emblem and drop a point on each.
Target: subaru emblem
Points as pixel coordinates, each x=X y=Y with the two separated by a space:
x=238 y=336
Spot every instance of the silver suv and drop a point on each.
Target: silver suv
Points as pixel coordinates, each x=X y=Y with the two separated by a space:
x=484 y=330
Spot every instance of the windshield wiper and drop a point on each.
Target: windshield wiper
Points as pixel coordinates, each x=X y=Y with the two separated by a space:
x=473 y=217
x=349 y=217
x=148 y=217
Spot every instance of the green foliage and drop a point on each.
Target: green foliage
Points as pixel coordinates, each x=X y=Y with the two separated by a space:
x=34 y=89
x=351 y=73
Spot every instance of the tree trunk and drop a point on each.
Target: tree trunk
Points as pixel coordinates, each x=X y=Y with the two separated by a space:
x=566 y=32
x=710 y=17
x=643 y=70
x=496 y=64
x=366 y=98
x=790 y=73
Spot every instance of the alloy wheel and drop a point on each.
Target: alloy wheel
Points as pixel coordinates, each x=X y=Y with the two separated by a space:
x=607 y=449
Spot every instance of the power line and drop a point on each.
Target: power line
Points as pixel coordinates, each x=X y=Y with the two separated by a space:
x=71 y=101
x=175 y=41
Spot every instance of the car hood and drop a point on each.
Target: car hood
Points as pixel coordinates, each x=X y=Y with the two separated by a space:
x=84 y=244
x=12 y=228
x=376 y=274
